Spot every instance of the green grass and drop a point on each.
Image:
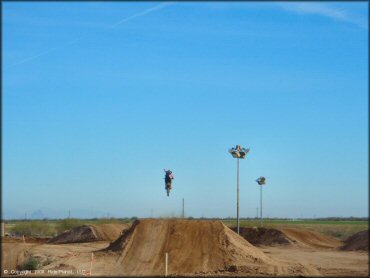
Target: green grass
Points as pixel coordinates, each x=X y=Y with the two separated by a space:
x=67 y=224
x=31 y=264
x=32 y=228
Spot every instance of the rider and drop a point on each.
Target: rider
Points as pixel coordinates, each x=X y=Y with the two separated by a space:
x=169 y=177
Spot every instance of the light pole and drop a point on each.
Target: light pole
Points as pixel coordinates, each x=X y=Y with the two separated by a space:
x=238 y=152
x=261 y=181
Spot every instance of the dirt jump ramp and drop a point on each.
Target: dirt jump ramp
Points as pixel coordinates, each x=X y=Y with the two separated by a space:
x=264 y=236
x=307 y=238
x=193 y=247
x=357 y=242
x=89 y=233
x=288 y=236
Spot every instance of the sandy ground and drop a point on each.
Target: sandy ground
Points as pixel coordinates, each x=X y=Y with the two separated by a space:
x=13 y=254
x=77 y=257
x=194 y=248
x=329 y=262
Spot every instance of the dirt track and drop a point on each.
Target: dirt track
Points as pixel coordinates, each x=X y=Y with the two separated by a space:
x=194 y=248
x=203 y=247
x=329 y=262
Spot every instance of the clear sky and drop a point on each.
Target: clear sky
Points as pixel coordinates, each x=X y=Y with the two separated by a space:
x=98 y=98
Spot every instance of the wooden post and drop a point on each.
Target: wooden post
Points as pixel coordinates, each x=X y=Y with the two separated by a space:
x=166 y=264
x=2 y=229
x=91 y=263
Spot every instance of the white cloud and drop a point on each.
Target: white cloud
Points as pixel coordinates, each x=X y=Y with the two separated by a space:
x=326 y=10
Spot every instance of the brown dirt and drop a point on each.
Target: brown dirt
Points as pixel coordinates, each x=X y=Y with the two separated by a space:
x=358 y=241
x=329 y=262
x=288 y=236
x=110 y=232
x=264 y=236
x=193 y=246
x=89 y=233
x=202 y=248
x=15 y=254
x=307 y=238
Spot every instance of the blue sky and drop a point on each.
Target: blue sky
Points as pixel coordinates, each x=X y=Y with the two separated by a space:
x=98 y=98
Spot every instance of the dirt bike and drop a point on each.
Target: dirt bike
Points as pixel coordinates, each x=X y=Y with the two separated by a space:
x=168 y=181
x=168 y=188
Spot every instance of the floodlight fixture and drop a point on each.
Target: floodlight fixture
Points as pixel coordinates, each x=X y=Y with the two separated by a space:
x=238 y=152
x=261 y=181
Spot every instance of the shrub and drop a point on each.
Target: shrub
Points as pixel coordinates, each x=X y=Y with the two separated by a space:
x=67 y=224
x=22 y=229
x=31 y=264
x=33 y=228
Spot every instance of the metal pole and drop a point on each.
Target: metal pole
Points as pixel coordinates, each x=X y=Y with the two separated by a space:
x=238 y=200
x=261 y=204
x=183 y=208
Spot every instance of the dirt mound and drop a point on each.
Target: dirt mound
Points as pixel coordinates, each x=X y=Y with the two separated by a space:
x=193 y=246
x=264 y=236
x=287 y=236
x=88 y=233
x=307 y=238
x=110 y=232
x=358 y=241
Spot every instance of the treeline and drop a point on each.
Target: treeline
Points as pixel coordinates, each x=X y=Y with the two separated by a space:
x=343 y=218
x=131 y=219
x=102 y=219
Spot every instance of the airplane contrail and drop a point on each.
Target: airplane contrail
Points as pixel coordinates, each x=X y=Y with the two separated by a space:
x=126 y=19
x=44 y=53
x=155 y=8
